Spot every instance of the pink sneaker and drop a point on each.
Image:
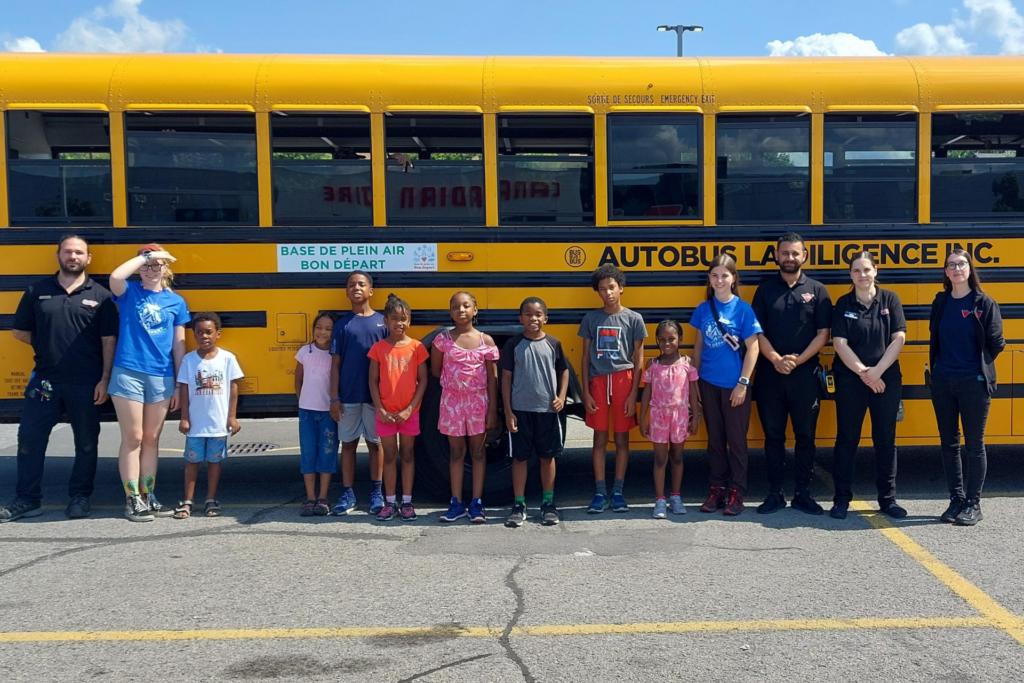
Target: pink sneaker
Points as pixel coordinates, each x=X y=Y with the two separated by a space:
x=387 y=513
x=408 y=512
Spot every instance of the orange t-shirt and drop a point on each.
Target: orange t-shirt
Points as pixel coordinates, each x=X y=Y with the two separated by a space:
x=398 y=368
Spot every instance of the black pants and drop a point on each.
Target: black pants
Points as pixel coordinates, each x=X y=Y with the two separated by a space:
x=727 y=436
x=781 y=398
x=38 y=417
x=962 y=401
x=853 y=400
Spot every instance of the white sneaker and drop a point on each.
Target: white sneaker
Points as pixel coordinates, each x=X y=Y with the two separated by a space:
x=675 y=504
x=660 y=508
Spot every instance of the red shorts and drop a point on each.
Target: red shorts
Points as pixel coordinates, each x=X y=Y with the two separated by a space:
x=610 y=393
x=410 y=427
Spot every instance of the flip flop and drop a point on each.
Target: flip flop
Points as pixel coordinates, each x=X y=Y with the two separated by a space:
x=212 y=508
x=184 y=509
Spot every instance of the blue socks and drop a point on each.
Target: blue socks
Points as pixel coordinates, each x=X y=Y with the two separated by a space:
x=375 y=485
x=602 y=488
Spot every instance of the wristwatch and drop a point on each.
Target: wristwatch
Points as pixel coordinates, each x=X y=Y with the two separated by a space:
x=148 y=255
x=744 y=381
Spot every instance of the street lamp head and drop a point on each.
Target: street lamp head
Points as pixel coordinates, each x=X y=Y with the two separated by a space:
x=695 y=29
x=665 y=28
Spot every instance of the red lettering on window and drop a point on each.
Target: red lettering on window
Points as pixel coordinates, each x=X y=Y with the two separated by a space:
x=328 y=193
x=428 y=196
x=444 y=195
x=367 y=193
x=538 y=189
x=476 y=196
x=458 y=196
x=558 y=189
x=505 y=190
x=520 y=192
x=408 y=198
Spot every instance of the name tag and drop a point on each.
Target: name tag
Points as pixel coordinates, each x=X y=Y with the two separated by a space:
x=724 y=321
x=851 y=315
x=44 y=297
x=89 y=303
x=885 y=311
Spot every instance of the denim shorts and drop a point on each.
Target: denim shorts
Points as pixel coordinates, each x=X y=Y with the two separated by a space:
x=140 y=387
x=206 y=448
x=318 y=442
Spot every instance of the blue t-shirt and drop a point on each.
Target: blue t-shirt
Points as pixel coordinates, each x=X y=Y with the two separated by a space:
x=147 y=327
x=720 y=365
x=352 y=338
x=959 y=352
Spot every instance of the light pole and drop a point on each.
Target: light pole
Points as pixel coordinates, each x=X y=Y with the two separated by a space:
x=680 y=30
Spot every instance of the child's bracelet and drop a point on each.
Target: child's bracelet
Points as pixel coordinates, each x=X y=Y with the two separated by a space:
x=335 y=400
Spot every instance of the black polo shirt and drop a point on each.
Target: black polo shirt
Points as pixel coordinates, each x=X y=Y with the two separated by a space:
x=66 y=329
x=868 y=329
x=792 y=316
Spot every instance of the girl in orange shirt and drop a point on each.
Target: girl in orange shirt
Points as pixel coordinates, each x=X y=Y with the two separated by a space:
x=398 y=379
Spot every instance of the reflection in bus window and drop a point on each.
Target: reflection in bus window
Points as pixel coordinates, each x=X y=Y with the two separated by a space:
x=321 y=169
x=545 y=169
x=763 y=170
x=977 y=166
x=870 y=168
x=435 y=169
x=58 y=167
x=184 y=168
x=654 y=167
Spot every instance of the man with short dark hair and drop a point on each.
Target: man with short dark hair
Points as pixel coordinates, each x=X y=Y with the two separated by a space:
x=795 y=313
x=71 y=323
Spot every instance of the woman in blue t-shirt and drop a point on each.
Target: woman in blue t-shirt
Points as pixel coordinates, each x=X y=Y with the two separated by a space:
x=150 y=346
x=725 y=353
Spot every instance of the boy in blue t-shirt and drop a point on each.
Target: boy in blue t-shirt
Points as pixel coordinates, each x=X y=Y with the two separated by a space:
x=351 y=404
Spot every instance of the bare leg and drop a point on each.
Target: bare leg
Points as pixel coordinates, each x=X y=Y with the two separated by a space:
x=676 y=456
x=213 y=470
x=598 y=455
x=457 y=464
x=309 y=481
x=376 y=460
x=621 y=454
x=348 y=463
x=129 y=419
x=520 y=469
x=660 y=462
x=153 y=416
x=325 y=485
x=478 y=452
x=547 y=473
x=407 y=449
x=191 y=474
x=390 y=472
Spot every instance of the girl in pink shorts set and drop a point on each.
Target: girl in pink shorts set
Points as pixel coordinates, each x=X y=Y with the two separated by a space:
x=464 y=358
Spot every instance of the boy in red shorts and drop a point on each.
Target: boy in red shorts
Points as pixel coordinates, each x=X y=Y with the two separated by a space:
x=613 y=348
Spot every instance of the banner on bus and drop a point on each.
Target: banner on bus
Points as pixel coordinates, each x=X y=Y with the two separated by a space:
x=342 y=258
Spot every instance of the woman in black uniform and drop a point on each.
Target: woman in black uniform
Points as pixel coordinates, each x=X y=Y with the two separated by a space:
x=868 y=333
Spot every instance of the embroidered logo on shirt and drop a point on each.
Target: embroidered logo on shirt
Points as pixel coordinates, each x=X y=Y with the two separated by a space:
x=851 y=315
x=885 y=311
x=44 y=297
x=90 y=303
x=965 y=313
x=807 y=297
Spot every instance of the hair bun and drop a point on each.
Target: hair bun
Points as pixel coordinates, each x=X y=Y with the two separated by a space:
x=392 y=295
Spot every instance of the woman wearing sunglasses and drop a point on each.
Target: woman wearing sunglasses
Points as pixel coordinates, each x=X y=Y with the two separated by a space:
x=966 y=331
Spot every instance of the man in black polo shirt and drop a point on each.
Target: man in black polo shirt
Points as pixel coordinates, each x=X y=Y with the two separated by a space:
x=795 y=313
x=71 y=323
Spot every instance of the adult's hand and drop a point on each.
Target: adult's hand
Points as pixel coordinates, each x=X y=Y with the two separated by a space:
x=99 y=394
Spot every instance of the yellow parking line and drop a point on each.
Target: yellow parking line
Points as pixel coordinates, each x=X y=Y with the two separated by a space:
x=999 y=616
x=484 y=632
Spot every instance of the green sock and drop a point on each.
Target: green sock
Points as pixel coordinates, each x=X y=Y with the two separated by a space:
x=131 y=487
x=521 y=500
x=147 y=484
x=547 y=498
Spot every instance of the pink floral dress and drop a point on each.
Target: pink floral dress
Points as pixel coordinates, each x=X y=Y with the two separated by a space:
x=670 y=400
x=464 y=381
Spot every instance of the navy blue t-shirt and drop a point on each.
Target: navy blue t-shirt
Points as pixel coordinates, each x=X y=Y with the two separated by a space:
x=959 y=353
x=352 y=338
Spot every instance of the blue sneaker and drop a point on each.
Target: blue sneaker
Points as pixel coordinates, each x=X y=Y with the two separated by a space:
x=346 y=504
x=456 y=510
x=598 y=505
x=476 y=511
x=619 y=503
x=660 y=508
x=376 y=502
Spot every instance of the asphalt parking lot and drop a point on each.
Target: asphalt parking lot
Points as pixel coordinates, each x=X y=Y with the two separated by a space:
x=260 y=594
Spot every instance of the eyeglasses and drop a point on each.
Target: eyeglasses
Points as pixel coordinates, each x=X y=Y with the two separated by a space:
x=151 y=266
x=957 y=265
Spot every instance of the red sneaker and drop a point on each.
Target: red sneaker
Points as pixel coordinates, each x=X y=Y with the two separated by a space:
x=735 y=504
x=715 y=501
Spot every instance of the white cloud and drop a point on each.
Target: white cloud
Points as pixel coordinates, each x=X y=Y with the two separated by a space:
x=23 y=44
x=925 y=39
x=98 y=31
x=825 y=45
x=998 y=18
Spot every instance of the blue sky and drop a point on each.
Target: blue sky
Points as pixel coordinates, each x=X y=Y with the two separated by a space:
x=528 y=27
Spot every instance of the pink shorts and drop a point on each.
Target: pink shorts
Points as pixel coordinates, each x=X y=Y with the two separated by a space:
x=463 y=413
x=669 y=425
x=410 y=427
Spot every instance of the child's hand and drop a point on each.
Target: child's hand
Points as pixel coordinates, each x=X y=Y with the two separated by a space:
x=184 y=426
x=631 y=404
x=402 y=416
x=385 y=417
x=642 y=424
x=233 y=426
x=589 y=403
x=338 y=411
x=492 y=419
x=694 y=422
x=510 y=421
x=558 y=404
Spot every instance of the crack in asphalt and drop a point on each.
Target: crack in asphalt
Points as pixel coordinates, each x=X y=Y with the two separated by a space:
x=749 y=550
x=445 y=666
x=506 y=643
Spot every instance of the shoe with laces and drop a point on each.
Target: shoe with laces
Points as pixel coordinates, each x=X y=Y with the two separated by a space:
x=408 y=512
x=893 y=509
x=619 y=503
x=321 y=508
x=376 y=502
x=156 y=507
x=971 y=514
x=956 y=506
x=78 y=507
x=456 y=510
x=675 y=504
x=839 y=510
x=476 y=511
x=517 y=517
x=660 y=508
x=773 y=503
x=599 y=504
x=548 y=514
x=802 y=501
x=307 y=508
x=18 y=509
x=136 y=510
x=346 y=503
x=715 y=501
x=387 y=513
x=734 y=505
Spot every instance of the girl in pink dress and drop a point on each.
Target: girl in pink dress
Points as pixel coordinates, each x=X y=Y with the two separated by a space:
x=464 y=358
x=669 y=413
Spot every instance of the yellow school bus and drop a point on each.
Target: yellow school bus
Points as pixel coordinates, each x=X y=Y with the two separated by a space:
x=269 y=177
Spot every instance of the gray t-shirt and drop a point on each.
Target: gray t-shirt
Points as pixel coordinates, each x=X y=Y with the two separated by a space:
x=535 y=365
x=612 y=336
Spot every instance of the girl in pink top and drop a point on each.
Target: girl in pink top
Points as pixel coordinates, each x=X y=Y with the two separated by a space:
x=318 y=432
x=669 y=413
x=464 y=358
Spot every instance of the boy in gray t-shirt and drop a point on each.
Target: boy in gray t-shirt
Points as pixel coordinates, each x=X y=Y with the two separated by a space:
x=613 y=351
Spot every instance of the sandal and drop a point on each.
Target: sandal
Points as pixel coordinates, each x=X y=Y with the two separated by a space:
x=212 y=508
x=184 y=509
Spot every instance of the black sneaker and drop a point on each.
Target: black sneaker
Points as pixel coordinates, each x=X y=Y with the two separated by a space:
x=893 y=509
x=971 y=514
x=956 y=505
x=839 y=510
x=18 y=509
x=773 y=503
x=802 y=501
x=548 y=514
x=136 y=510
x=517 y=517
x=78 y=508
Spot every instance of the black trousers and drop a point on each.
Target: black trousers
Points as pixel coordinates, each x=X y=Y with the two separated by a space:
x=853 y=400
x=727 y=436
x=781 y=398
x=38 y=418
x=963 y=401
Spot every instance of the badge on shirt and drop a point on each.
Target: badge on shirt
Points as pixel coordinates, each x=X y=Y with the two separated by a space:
x=724 y=320
x=851 y=315
x=965 y=313
x=44 y=297
x=884 y=311
x=90 y=303
x=807 y=297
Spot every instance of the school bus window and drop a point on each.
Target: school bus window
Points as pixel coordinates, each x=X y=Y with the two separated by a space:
x=185 y=168
x=545 y=169
x=763 y=171
x=871 y=168
x=320 y=169
x=435 y=169
x=655 y=164
x=977 y=166
x=58 y=168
